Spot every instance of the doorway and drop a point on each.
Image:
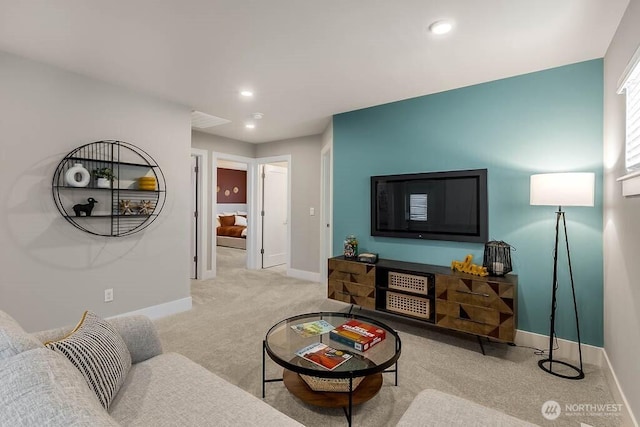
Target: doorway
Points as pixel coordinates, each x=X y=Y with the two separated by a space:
x=232 y=208
x=226 y=247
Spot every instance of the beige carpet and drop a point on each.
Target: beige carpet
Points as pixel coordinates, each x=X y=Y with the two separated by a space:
x=231 y=315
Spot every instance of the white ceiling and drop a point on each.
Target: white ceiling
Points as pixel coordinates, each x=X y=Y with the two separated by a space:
x=306 y=60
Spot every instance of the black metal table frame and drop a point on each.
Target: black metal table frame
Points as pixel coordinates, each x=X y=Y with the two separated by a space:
x=382 y=368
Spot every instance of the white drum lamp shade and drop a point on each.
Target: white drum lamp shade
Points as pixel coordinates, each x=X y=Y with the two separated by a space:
x=562 y=189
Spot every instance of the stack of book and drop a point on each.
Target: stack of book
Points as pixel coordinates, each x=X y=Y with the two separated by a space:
x=358 y=335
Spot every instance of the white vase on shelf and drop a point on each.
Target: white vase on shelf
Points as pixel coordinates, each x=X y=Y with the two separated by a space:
x=103 y=183
x=77 y=176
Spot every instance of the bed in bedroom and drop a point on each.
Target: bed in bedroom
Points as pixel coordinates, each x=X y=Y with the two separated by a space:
x=231 y=231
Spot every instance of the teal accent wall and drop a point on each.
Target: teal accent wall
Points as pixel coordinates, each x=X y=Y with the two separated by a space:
x=548 y=121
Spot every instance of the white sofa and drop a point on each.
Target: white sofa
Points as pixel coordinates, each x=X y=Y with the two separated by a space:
x=41 y=387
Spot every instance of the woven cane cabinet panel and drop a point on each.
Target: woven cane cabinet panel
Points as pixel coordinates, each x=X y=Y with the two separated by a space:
x=484 y=306
x=352 y=282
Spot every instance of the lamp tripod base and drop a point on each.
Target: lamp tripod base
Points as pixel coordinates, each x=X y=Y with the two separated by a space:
x=543 y=362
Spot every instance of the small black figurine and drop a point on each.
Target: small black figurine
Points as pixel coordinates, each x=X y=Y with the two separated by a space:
x=86 y=208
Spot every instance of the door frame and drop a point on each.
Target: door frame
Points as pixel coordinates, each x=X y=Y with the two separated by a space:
x=252 y=222
x=258 y=206
x=326 y=200
x=202 y=222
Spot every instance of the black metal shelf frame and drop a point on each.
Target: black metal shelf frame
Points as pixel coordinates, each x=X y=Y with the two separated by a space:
x=122 y=158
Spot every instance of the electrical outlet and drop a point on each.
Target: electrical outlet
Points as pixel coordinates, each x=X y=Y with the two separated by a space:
x=312 y=211
x=108 y=295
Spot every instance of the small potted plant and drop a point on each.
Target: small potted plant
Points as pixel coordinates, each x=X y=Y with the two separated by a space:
x=104 y=176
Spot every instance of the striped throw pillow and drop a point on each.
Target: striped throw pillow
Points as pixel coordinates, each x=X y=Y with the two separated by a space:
x=96 y=349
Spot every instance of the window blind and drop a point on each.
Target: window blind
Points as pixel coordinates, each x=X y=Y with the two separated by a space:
x=631 y=88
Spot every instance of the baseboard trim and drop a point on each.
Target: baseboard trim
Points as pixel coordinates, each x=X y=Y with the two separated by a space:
x=567 y=350
x=304 y=275
x=614 y=385
x=162 y=310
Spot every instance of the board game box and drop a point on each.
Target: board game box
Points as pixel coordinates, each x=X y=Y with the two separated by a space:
x=358 y=335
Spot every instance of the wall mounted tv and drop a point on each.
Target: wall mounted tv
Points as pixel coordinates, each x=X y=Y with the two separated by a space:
x=432 y=206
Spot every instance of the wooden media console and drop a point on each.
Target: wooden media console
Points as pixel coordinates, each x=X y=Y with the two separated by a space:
x=482 y=306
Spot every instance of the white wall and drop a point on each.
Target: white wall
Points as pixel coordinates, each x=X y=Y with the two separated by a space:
x=305 y=194
x=621 y=223
x=220 y=144
x=50 y=271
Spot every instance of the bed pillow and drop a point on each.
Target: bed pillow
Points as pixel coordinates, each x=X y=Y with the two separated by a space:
x=240 y=220
x=226 y=221
x=96 y=349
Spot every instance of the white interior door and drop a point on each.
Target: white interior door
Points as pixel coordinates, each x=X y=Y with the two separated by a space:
x=194 y=217
x=274 y=219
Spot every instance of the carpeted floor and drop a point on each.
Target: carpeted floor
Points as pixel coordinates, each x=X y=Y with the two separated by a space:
x=232 y=313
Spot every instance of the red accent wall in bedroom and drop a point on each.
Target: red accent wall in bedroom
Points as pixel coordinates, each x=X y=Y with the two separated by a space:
x=232 y=186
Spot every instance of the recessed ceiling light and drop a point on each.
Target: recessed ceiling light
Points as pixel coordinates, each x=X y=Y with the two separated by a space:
x=246 y=93
x=440 y=27
x=250 y=125
x=257 y=116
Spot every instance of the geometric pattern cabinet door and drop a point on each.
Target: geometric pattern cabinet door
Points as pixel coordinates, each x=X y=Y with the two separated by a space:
x=352 y=282
x=478 y=305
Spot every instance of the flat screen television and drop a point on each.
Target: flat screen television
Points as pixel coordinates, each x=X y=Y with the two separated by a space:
x=448 y=205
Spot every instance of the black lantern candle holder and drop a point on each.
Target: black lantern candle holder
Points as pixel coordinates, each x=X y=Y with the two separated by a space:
x=497 y=258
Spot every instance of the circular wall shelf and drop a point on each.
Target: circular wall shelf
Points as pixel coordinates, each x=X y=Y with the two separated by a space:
x=128 y=203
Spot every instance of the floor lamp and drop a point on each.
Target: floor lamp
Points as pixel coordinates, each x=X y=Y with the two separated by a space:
x=562 y=189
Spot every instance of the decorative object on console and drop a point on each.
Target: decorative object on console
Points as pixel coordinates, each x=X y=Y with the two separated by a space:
x=497 y=258
x=467 y=266
x=369 y=258
x=77 y=176
x=351 y=247
x=86 y=208
x=562 y=189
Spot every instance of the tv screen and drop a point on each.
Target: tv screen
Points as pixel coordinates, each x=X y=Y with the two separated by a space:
x=435 y=206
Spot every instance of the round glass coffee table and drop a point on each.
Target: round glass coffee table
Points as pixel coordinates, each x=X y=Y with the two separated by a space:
x=358 y=374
